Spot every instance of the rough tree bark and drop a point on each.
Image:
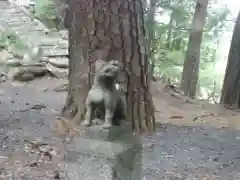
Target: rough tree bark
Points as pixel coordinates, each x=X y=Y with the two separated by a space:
x=231 y=84
x=107 y=30
x=192 y=60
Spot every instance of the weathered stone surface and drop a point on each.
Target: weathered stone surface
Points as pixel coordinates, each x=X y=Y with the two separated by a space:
x=5 y=56
x=29 y=73
x=96 y=132
x=32 y=31
x=60 y=62
x=103 y=97
x=94 y=157
x=54 y=42
x=54 y=51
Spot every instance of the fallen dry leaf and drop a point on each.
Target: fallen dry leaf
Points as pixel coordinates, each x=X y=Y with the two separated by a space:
x=176 y=117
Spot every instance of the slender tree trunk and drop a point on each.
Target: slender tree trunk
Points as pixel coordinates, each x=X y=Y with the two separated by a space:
x=176 y=43
x=150 y=26
x=150 y=23
x=169 y=36
x=231 y=84
x=192 y=60
x=60 y=12
x=109 y=29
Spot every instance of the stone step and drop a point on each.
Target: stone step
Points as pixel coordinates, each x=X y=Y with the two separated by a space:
x=20 y=18
x=33 y=31
x=31 y=35
x=4 y=7
x=15 y=24
x=54 y=47
x=24 y=20
x=54 y=51
x=11 y=11
x=60 y=62
x=4 y=3
x=60 y=59
x=54 y=42
x=17 y=17
x=28 y=28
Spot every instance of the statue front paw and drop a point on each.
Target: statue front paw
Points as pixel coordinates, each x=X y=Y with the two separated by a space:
x=107 y=125
x=86 y=123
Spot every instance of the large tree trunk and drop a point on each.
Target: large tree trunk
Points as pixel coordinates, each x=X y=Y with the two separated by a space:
x=231 y=84
x=192 y=61
x=107 y=30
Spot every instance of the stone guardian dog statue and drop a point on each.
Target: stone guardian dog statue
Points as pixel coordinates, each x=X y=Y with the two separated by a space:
x=104 y=96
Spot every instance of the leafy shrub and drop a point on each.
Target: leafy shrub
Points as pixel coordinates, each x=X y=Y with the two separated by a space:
x=45 y=9
x=12 y=43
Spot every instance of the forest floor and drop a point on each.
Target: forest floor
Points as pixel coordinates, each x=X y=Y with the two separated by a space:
x=197 y=141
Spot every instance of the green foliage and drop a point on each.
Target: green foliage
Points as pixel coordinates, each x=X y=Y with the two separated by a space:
x=171 y=38
x=169 y=64
x=46 y=11
x=12 y=43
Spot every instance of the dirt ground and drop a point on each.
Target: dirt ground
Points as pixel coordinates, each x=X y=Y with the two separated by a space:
x=197 y=140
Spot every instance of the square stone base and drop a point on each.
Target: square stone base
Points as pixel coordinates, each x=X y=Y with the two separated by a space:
x=94 y=159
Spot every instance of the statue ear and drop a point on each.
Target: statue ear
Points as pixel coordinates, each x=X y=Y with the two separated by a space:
x=99 y=64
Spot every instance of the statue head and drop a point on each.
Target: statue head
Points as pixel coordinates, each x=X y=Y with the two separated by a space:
x=108 y=69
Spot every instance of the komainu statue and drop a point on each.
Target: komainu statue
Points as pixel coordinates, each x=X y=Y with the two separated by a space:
x=104 y=96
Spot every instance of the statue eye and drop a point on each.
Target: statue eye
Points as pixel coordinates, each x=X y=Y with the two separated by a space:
x=107 y=70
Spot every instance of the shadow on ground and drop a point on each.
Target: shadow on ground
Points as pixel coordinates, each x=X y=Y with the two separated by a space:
x=196 y=152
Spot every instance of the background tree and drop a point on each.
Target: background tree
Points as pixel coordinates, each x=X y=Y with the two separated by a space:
x=170 y=41
x=150 y=22
x=191 y=64
x=231 y=84
x=109 y=30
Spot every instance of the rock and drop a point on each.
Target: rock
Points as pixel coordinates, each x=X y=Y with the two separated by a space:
x=31 y=72
x=60 y=62
x=24 y=77
x=60 y=72
x=61 y=88
x=35 y=55
x=5 y=56
x=13 y=62
x=54 y=51
x=3 y=77
x=18 y=62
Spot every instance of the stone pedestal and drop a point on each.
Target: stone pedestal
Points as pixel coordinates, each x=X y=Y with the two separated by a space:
x=105 y=154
